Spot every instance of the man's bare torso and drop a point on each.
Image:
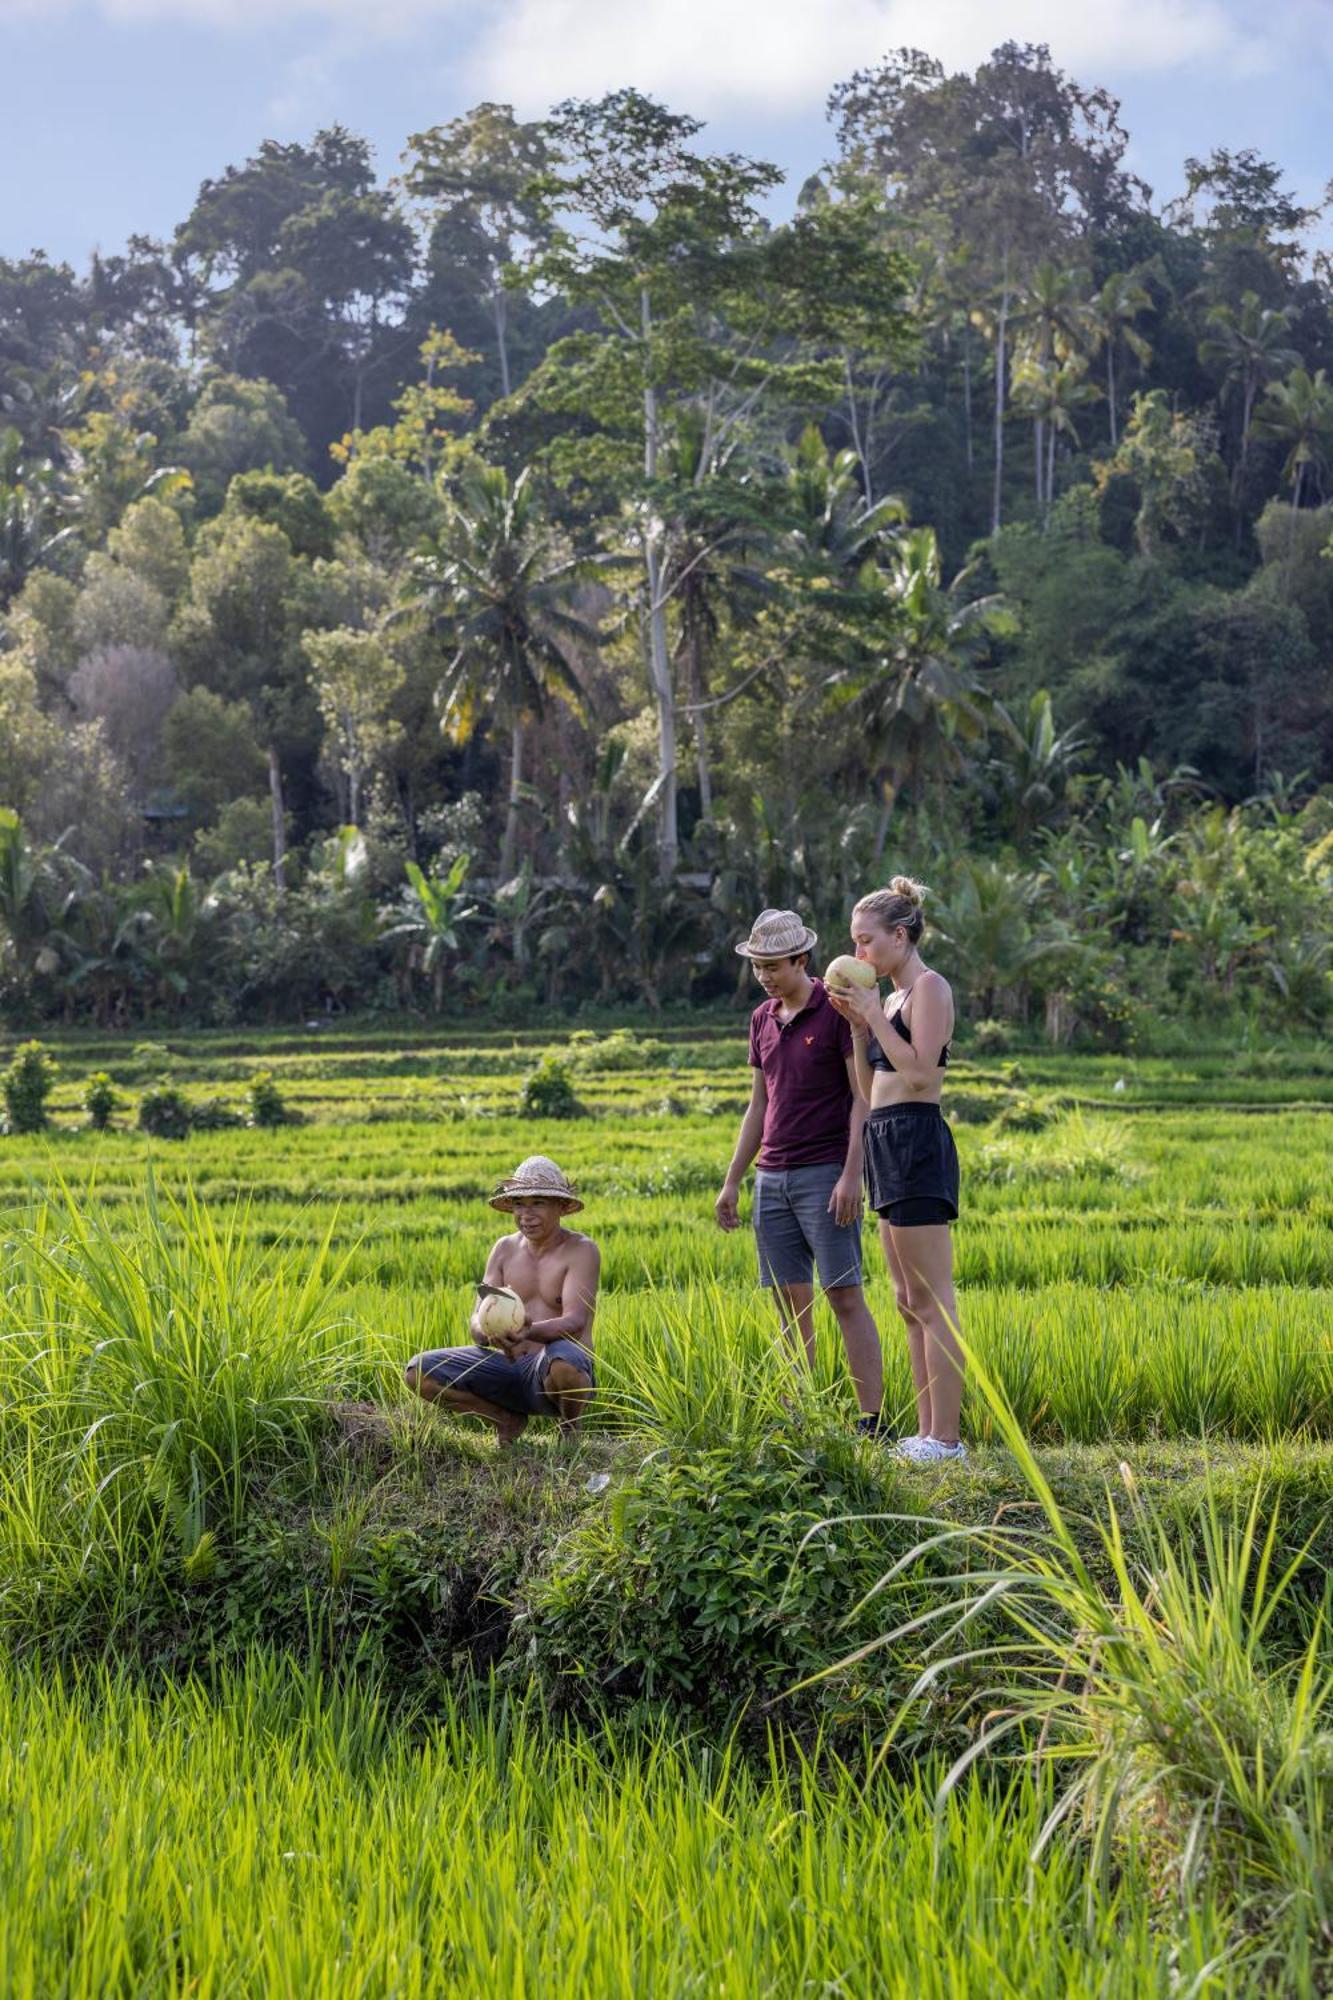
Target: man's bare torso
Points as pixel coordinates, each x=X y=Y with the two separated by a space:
x=539 y=1277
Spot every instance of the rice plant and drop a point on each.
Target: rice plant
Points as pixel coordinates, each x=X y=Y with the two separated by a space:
x=274 y=1834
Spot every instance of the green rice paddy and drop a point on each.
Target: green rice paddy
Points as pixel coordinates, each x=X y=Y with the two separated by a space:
x=1145 y=1258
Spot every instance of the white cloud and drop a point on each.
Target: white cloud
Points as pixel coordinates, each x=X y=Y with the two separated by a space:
x=776 y=55
x=785 y=54
x=372 y=20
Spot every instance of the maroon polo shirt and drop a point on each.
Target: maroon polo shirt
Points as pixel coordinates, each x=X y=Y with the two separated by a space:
x=804 y=1064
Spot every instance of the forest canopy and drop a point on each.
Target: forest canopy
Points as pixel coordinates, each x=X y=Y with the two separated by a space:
x=503 y=577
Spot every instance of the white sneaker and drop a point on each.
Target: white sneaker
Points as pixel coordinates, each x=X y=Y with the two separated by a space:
x=931 y=1451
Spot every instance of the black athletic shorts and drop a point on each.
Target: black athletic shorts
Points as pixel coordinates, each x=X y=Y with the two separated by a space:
x=911 y=1165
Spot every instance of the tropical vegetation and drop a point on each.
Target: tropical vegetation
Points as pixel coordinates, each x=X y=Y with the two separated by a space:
x=506 y=576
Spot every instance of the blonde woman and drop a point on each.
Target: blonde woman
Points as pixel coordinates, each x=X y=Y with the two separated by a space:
x=901 y=1049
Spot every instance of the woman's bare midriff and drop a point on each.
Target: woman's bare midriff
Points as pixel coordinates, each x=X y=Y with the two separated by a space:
x=887 y=1089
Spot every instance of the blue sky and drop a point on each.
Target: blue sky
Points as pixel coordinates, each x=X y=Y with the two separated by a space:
x=115 y=110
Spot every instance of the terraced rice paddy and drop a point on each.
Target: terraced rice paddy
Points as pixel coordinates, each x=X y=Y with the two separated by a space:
x=1138 y=1266
x=1145 y=1259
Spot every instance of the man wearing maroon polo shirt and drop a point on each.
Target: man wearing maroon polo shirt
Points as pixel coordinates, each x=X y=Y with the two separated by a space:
x=804 y=1120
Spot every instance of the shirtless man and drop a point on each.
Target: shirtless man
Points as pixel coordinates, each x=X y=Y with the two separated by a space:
x=545 y=1369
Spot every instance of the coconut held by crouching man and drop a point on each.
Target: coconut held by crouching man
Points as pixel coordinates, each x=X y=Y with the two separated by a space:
x=531 y=1326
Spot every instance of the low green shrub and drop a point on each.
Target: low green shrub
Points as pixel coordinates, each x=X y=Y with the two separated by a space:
x=268 y=1107
x=213 y=1114
x=717 y=1581
x=25 y=1085
x=164 y=1113
x=548 y=1091
x=1023 y=1113
x=623 y=1049
x=101 y=1100
x=989 y=1037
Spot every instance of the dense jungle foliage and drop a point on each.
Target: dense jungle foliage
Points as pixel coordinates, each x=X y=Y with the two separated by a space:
x=494 y=583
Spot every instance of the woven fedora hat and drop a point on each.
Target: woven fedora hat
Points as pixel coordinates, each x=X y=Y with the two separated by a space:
x=777 y=934
x=537 y=1177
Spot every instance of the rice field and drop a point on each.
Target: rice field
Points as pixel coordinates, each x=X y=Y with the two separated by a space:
x=1145 y=1261
x=1136 y=1266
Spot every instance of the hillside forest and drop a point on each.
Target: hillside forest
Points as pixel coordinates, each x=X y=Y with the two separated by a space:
x=487 y=585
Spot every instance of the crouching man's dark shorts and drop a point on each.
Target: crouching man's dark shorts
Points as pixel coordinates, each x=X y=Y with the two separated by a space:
x=517 y=1386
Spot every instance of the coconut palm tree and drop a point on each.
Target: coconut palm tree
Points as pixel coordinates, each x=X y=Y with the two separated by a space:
x=1112 y=318
x=503 y=583
x=1247 y=349
x=1055 y=329
x=1036 y=764
x=919 y=701
x=35 y=508
x=1299 y=413
x=722 y=528
x=1051 y=391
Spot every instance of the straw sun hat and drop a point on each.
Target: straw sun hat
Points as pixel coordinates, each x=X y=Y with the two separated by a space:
x=537 y=1178
x=777 y=934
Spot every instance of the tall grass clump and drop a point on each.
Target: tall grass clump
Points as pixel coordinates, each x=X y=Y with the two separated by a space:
x=149 y=1373
x=1136 y=1664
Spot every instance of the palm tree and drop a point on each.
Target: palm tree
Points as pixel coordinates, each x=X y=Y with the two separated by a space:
x=35 y=509
x=919 y=701
x=1121 y=301
x=998 y=931
x=24 y=919
x=714 y=565
x=1039 y=763
x=1299 y=412
x=503 y=583
x=1247 y=349
x=1051 y=391
x=830 y=526
x=1054 y=326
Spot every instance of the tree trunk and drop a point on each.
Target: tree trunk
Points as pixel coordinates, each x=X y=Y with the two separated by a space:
x=659 y=656
x=1039 y=454
x=509 y=844
x=279 y=821
x=888 y=799
x=501 y=309
x=854 y=425
x=1050 y=474
x=967 y=399
x=1238 y=483
x=698 y=691
x=1001 y=331
x=1110 y=389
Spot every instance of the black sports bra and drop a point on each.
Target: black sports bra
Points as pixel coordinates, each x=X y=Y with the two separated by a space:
x=875 y=1055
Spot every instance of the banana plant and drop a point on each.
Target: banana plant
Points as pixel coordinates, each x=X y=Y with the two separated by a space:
x=429 y=913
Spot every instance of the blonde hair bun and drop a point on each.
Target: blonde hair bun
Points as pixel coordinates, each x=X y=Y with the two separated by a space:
x=898 y=906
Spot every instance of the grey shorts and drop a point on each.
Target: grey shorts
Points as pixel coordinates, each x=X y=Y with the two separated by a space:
x=796 y=1233
x=517 y=1386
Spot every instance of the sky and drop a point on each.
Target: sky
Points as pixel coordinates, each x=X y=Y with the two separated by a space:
x=114 y=111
